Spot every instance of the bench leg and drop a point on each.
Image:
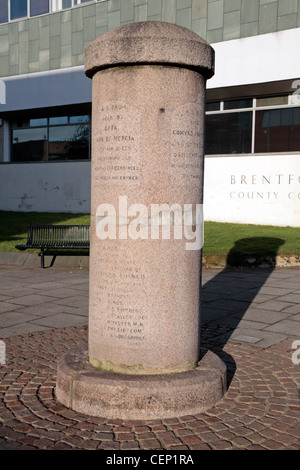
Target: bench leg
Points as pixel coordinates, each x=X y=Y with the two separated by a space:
x=53 y=259
x=42 y=259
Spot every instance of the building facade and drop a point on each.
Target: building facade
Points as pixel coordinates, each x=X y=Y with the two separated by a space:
x=252 y=162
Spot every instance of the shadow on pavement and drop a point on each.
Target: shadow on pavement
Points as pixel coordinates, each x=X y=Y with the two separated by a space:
x=226 y=296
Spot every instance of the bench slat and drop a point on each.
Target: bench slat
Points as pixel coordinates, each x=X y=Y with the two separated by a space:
x=57 y=237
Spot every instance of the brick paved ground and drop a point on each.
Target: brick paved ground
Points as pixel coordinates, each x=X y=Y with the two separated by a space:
x=260 y=410
x=250 y=319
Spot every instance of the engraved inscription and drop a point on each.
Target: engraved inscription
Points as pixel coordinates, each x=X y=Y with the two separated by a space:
x=186 y=149
x=122 y=291
x=116 y=144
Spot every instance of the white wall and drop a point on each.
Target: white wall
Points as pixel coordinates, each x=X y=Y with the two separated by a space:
x=258 y=59
x=236 y=187
x=253 y=189
x=47 y=89
x=249 y=189
x=45 y=187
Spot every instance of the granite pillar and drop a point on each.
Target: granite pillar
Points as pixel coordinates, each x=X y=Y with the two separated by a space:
x=148 y=105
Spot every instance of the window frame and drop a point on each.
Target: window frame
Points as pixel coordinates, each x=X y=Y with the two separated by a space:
x=51 y=9
x=28 y=10
x=254 y=108
x=49 y=126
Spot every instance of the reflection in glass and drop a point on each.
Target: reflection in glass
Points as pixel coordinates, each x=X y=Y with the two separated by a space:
x=67 y=3
x=39 y=7
x=272 y=101
x=60 y=4
x=277 y=130
x=18 y=9
x=213 y=106
x=38 y=122
x=238 y=104
x=69 y=142
x=29 y=145
x=228 y=133
x=3 y=12
x=58 y=120
x=77 y=119
x=20 y=123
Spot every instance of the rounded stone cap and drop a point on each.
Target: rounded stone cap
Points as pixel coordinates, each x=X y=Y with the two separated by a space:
x=150 y=42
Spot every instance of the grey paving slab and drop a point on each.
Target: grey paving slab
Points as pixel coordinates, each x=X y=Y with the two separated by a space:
x=78 y=300
x=77 y=279
x=257 y=307
x=260 y=297
x=15 y=292
x=228 y=305
x=247 y=338
x=49 y=308
x=259 y=315
x=61 y=292
x=15 y=317
x=51 y=284
x=10 y=282
x=265 y=339
x=292 y=309
x=20 y=329
x=285 y=284
x=205 y=297
x=288 y=327
x=211 y=314
x=292 y=297
x=244 y=323
x=82 y=311
x=32 y=299
x=3 y=298
x=7 y=307
x=274 y=304
x=82 y=287
x=60 y=320
x=275 y=291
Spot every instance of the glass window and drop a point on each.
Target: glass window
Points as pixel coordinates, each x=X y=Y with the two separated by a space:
x=3 y=12
x=58 y=120
x=20 y=123
x=78 y=119
x=38 y=122
x=39 y=7
x=18 y=9
x=69 y=142
x=277 y=130
x=60 y=4
x=238 y=104
x=67 y=4
x=53 y=138
x=213 y=106
x=29 y=144
x=228 y=133
x=272 y=101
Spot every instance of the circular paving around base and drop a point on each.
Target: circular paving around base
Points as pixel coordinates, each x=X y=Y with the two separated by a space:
x=260 y=409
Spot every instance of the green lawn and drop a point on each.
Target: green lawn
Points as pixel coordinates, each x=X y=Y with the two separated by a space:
x=13 y=225
x=220 y=239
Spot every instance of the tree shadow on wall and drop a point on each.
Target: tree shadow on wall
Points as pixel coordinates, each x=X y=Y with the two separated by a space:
x=226 y=296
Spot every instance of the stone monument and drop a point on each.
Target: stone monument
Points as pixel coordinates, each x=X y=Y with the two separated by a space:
x=143 y=358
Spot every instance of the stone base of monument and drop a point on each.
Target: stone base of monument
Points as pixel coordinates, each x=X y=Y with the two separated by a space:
x=93 y=392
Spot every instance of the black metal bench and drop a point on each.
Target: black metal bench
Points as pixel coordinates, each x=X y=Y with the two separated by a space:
x=57 y=238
